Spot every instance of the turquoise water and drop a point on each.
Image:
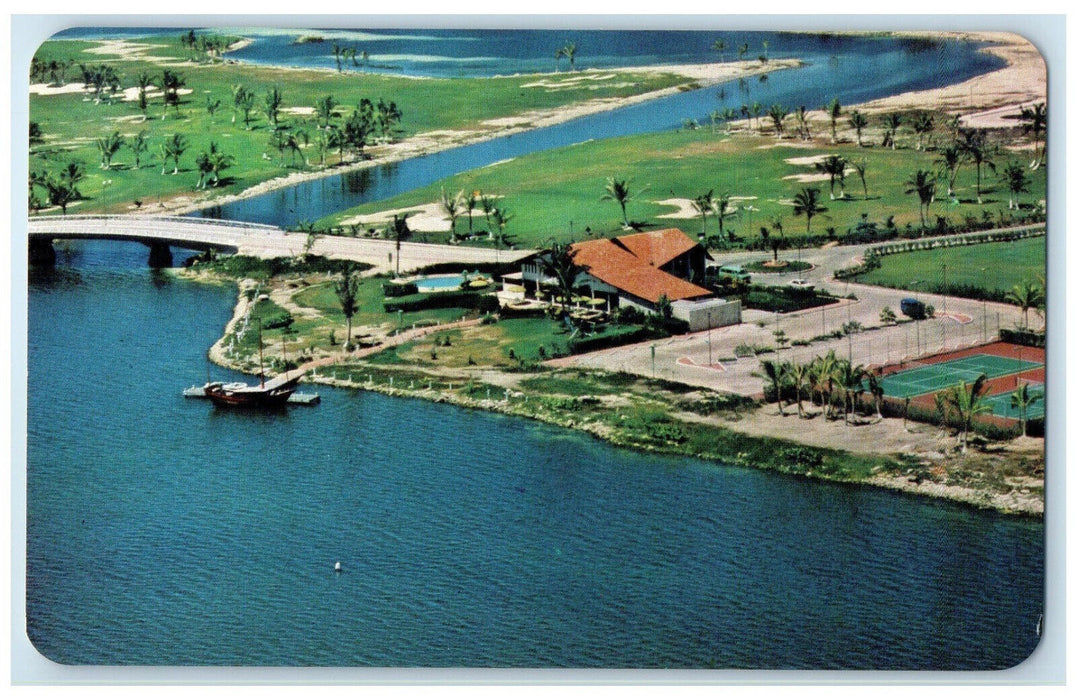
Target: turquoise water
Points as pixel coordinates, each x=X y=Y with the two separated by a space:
x=439 y=283
x=161 y=530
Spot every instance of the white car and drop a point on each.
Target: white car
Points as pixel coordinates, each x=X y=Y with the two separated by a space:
x=801 y=284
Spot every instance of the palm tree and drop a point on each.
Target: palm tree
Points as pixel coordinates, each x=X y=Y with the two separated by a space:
x=274 y=100
x=618 y=191
x=922 y=184
x=860 y=166
x=173 y=147
x=1022 y=400
x=337 y=54
x=70 y=176
x=501 y=218
x=347 y=289
x=803 y=130
x=975 y=147
x=246 y=105
x=875 y=385
x=858 y=121
x=399 y=232
x=558 y=261
x=205 y=167
x=834 y=166
x=833 y=110
x=138 y=146
x=470 y=201
x=949 y=160
x=488 y=204
x=558 y=55
x=800 y=374
x=451 y=205
x=775 y=374
x=1027 y=295
x=757 y=111
x=722 y=211
x=291 y=142
x=777 y=115
x=219 y=162
x=60 y=192
x=922 y=124
x=704 y=204
x=570 y=53
x=144 y=81
x=967 y=401
x=806 y=202
x=1034 y=119
x=851 y=380
x=892 y=122
x=1016 y=182
x=171 y=83
x=239 y=93
x=741 y=51
x=108 y=146
x=324 y=107
x=720 y=47
x=827 y=374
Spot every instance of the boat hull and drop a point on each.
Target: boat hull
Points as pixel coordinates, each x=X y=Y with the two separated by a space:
x=242 y=395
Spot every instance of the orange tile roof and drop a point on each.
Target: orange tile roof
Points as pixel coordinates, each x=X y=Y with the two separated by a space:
x=657 y=247
x=626 y=264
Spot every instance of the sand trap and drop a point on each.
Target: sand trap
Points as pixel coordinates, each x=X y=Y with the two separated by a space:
x=809 y=160
x=808 y=177
x=428 y=218
x=300 y=111
x=44 y=89
x=998 y=118
x=684 y=209
x=425 y=217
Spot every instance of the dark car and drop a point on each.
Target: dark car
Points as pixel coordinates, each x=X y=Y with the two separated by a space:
x=913 y=308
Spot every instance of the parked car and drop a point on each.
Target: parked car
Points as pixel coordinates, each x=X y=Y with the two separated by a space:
x=801 y=284
x=733 y=272
x=913 y=308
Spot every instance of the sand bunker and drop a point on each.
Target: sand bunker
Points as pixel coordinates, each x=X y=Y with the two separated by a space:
x=809 y=160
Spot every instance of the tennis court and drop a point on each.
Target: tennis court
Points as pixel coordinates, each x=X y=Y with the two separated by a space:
x=1000 y=404
x=928 y=379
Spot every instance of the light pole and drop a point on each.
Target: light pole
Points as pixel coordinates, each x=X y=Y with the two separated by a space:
x=913 y=285
x=710 y=360
x=943 y=319
x=983 y=285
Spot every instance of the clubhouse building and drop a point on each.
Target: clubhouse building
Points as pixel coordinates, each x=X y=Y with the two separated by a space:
x=636 y=270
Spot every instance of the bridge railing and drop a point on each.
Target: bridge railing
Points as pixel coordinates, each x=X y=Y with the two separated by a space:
x=187 y=220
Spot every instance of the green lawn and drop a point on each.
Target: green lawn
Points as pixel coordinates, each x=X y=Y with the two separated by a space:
x=993 y=267
x=557 y=194
x=71 y=122
x=323 y=298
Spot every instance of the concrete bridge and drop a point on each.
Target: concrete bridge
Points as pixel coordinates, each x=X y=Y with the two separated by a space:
x=159 y=233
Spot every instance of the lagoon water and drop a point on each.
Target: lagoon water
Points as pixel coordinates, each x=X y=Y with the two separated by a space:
x=164 y=531
x=852 y=69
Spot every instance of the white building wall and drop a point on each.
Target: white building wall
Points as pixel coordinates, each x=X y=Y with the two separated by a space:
x=707 y=313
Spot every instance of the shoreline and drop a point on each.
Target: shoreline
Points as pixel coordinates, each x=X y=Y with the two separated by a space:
x=702 y=75
x=1013 y=503
x=991 y=92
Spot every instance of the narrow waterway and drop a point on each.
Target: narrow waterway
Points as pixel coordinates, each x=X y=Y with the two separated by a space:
x=164 y=531
x=852 y=69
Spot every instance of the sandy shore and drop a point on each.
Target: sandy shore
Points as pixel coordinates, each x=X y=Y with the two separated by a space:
x=1022 y=81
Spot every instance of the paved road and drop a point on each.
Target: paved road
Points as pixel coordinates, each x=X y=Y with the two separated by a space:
x=258 y=240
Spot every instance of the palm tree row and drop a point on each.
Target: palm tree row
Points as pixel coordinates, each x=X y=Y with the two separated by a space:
x=833 y=380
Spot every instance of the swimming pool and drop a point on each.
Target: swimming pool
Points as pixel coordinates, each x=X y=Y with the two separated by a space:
x=442 y=283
